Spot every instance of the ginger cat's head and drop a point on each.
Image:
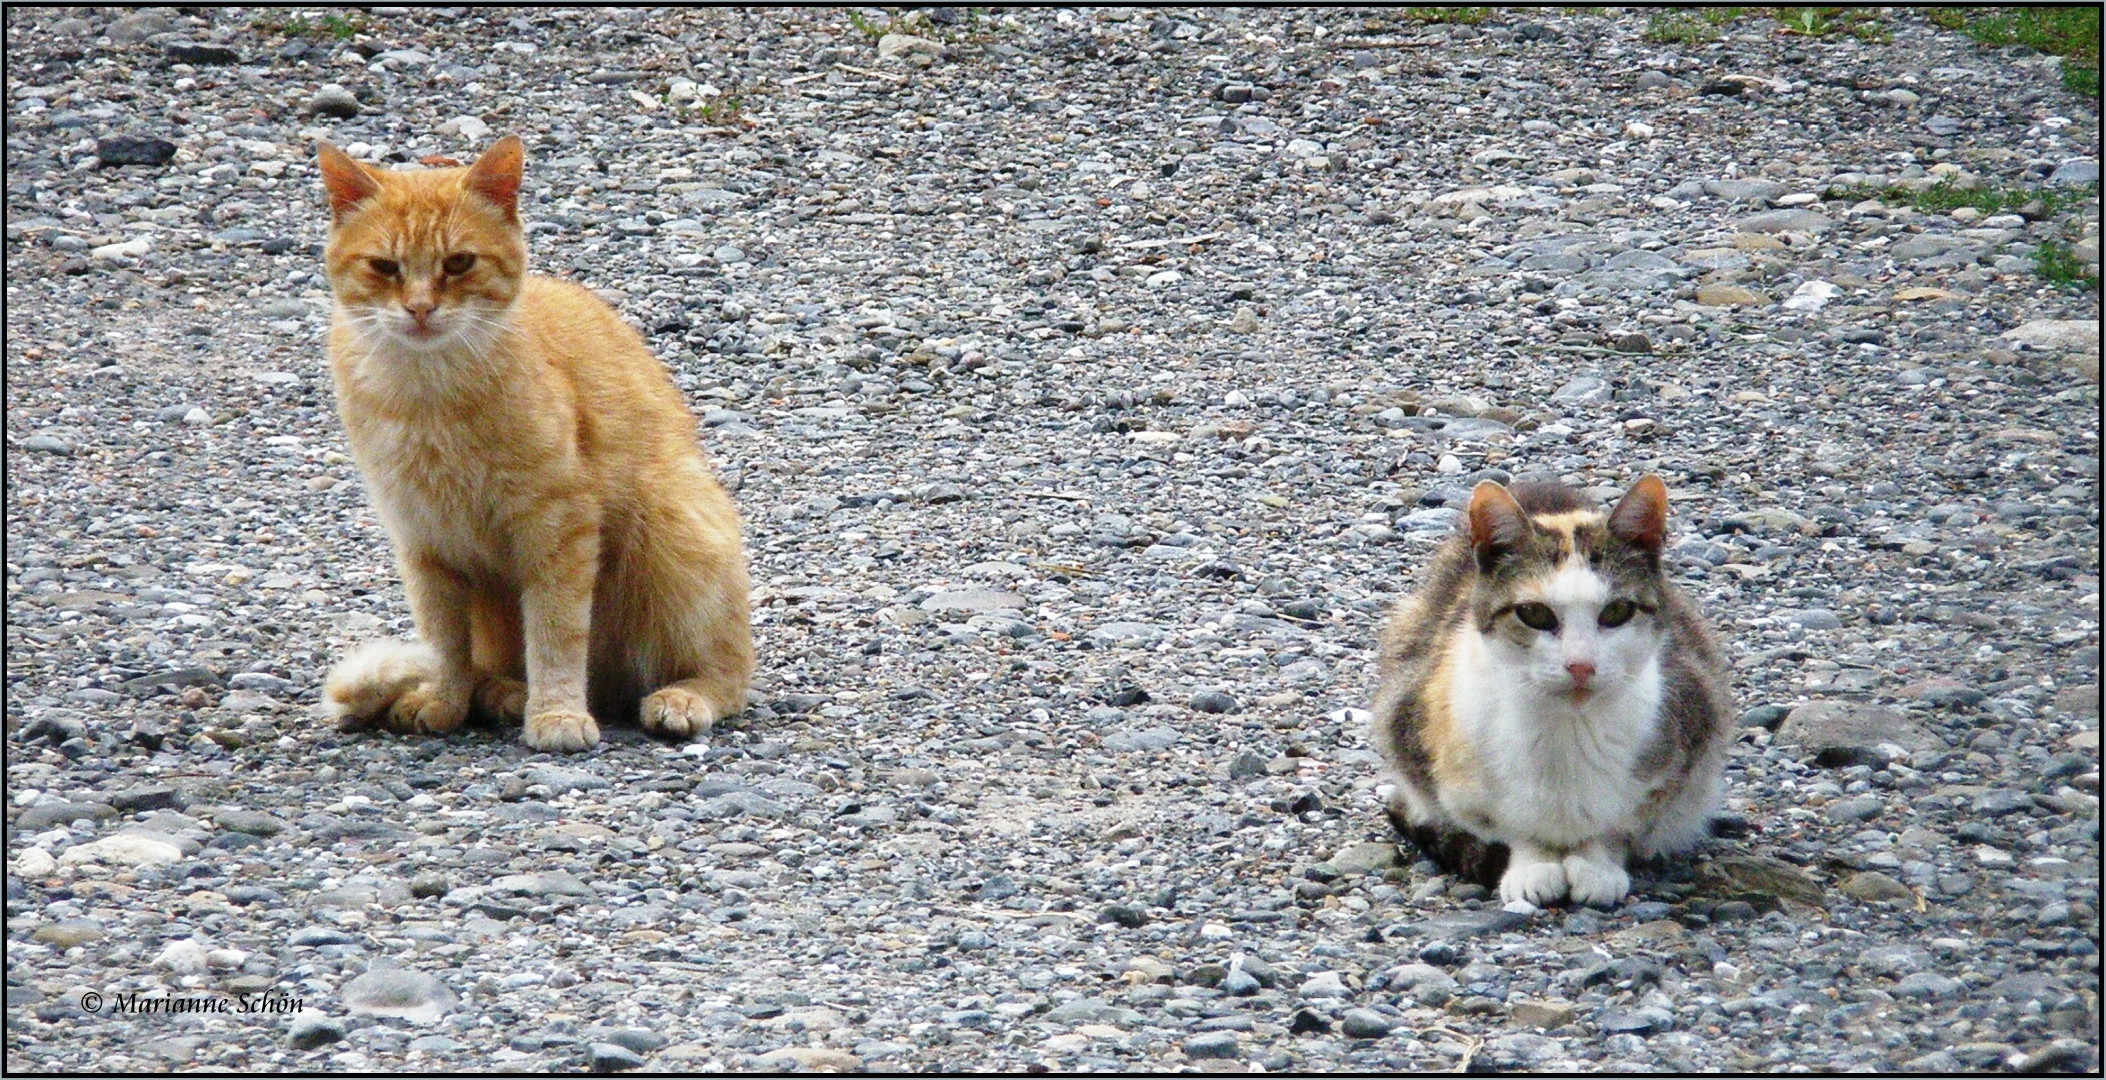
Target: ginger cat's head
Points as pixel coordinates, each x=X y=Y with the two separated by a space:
x=426 y=261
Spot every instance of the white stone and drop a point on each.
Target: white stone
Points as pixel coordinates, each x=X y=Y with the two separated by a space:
x=35 y=863
x=2057 y=335
x=1811 y=296
x=892 y=46
x=183 y=956
x=124 y=849
x=129 y=249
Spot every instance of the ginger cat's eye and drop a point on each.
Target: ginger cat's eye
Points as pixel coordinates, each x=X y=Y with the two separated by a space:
x=1617 y=612
x=458 y=263
x=384 y=267
x=1536 y=616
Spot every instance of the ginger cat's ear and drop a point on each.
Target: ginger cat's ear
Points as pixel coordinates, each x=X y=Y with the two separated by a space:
x=349 y=183
x=1640 y=517
x=496 y=175
x=1497 y=522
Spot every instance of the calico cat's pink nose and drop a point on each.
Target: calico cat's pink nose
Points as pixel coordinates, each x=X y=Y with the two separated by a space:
x=1580 y=670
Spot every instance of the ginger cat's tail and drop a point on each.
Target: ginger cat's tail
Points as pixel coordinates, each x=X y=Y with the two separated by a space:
x=361 y=687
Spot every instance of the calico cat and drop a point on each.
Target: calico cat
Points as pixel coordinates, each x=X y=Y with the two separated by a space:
x=1548 y=697
x=553 y=519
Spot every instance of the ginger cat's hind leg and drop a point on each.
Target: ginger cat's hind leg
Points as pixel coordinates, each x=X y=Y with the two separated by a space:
x=499 y=655
x=501 y=698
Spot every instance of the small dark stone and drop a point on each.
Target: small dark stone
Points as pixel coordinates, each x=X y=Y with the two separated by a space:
x=186 y=52
x=134 y=150
x=1365 y=1024
x=147 y=797
x=608 y=1057
x=1125 y=696
x=1442 y=953
x=1125 y=915
x=1307 y=1021
x=1213 y=701
x=1213 y=1044
x=311 y=1030
x=1766 y=717
x=1721 y=89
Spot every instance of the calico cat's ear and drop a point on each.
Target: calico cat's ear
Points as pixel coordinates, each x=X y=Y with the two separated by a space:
x=348 y=182
x=1497 y=523
x=1640 y=517
x=496 y=175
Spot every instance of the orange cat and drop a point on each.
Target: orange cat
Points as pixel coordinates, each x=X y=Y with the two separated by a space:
x=552 y=516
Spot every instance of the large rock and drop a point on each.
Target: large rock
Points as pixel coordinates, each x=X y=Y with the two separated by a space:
x=911 y=49
x=1777 y=221
x=973 y=601
x=134 y=150
x=2059 y=335
x=139 y=26
x=1843 y=733
x=396 y=991
x=1723 y=295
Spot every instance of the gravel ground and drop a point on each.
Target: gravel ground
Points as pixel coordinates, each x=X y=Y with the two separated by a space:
x=1090 y=382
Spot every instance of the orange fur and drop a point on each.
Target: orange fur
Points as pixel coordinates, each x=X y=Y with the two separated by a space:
x=536 y=469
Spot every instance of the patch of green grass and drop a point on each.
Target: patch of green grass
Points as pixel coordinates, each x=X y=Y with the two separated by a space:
x=720 y=111
x=867 y=26
x=2069 y=31
x=1467 y=16
x=1947 y=196
x=1679 y=28
x=1859 y=23
x=341 y=27
x=2059 y=267
x=335 y=26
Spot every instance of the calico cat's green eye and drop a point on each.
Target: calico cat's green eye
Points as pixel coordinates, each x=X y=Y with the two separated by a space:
x=1536 y=616
x=1617 y=612
x=458 y=263
x=384 y=267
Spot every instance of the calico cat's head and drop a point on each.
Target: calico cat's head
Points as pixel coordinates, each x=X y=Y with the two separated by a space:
x=1572 y=599
x=425 y=261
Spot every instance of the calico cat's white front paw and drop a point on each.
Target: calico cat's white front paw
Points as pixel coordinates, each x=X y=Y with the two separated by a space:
x=1594 y=881
x=1537 y=877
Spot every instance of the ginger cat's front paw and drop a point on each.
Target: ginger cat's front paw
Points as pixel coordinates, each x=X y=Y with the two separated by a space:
x=422 y=710
x=502 y=699
x=561 y=730
x=678 y=712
